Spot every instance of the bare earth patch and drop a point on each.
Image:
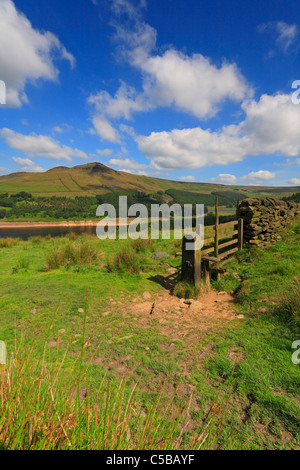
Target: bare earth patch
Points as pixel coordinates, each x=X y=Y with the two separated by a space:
x=178 y=318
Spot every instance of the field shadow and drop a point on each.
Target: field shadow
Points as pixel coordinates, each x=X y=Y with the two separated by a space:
x=167 y=282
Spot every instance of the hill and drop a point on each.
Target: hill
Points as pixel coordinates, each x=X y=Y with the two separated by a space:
x=97 y=179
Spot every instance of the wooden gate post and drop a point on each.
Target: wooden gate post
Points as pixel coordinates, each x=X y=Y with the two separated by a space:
x=217 y=234
x=191 y=261
x=240 y=234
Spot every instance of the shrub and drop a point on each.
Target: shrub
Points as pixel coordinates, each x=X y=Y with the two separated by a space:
x=140 y=245
x=38 y=239
x=72 y=236
x=23 y=263
x=71 y=254
x=125 y=260
x=8 y=242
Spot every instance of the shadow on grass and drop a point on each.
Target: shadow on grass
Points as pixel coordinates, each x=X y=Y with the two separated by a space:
x=167 y=282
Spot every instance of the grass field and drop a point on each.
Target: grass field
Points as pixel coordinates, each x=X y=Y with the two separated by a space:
x=76 y=320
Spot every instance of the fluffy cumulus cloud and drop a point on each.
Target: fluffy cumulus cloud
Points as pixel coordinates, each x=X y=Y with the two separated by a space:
x=25 y=53
x=188 y=83
x=224 y=178
x=263 y=175
x=191 y=83
x=191 y=148
x=40 y=146
x=295 y=181
x=271 y=125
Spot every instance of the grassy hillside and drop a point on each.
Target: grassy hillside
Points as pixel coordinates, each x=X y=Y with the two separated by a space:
x=94 y=179
x=76 y=325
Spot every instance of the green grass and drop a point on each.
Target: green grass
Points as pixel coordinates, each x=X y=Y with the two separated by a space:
x=241 y=373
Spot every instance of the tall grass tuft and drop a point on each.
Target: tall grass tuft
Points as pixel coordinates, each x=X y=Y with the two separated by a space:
x=186 y=291
x=72 y=254
x=126 y=260
x=38 y=239
x=289 y=304
x=141 y=246
x=9 y=242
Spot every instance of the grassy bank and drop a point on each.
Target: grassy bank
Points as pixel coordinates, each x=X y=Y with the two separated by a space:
x=75 y=316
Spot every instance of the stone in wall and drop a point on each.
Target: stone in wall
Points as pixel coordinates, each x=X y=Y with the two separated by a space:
x=265 y=219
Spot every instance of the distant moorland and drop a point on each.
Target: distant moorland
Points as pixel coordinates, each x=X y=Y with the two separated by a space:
x=74 y=193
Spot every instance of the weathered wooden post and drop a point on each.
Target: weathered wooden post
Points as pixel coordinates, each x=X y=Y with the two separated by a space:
x=191 y=261
x=240 y=234
x=217 y=234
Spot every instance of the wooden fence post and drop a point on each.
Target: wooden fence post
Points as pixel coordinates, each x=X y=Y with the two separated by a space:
x=191 y=262
x=217 y=233
x=241 y=234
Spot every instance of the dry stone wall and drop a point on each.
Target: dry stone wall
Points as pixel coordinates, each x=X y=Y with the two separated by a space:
x=265 y=219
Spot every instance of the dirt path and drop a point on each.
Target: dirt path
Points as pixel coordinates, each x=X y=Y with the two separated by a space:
x=178 y=318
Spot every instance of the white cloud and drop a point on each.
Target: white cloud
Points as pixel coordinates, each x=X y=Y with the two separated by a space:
x=191 y=83
x=129 y=130
x=224 y=178
x=105 y=130
x=4 y=170
x=295 y=181
x=287 y=34
x=187 y=178
x=271 y=125
x=62 y=128
x=283 y=34
x=128 y=163
x=105 y=152
x=40 y=146
x=191 y=148
x=26 y=54
x=259 y=175
x=125 y=101
x=121 y=7
x=135 y=172
x=28 y=165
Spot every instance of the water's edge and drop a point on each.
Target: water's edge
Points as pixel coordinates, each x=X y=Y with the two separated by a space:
x=25 y=230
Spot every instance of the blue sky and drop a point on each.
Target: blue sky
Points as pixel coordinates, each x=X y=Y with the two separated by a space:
x=187 y=90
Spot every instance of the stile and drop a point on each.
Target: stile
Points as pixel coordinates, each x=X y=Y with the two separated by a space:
x=217 y=233
x=241 y=234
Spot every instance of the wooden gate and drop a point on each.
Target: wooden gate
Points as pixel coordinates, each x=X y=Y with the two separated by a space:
x=217 y=251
